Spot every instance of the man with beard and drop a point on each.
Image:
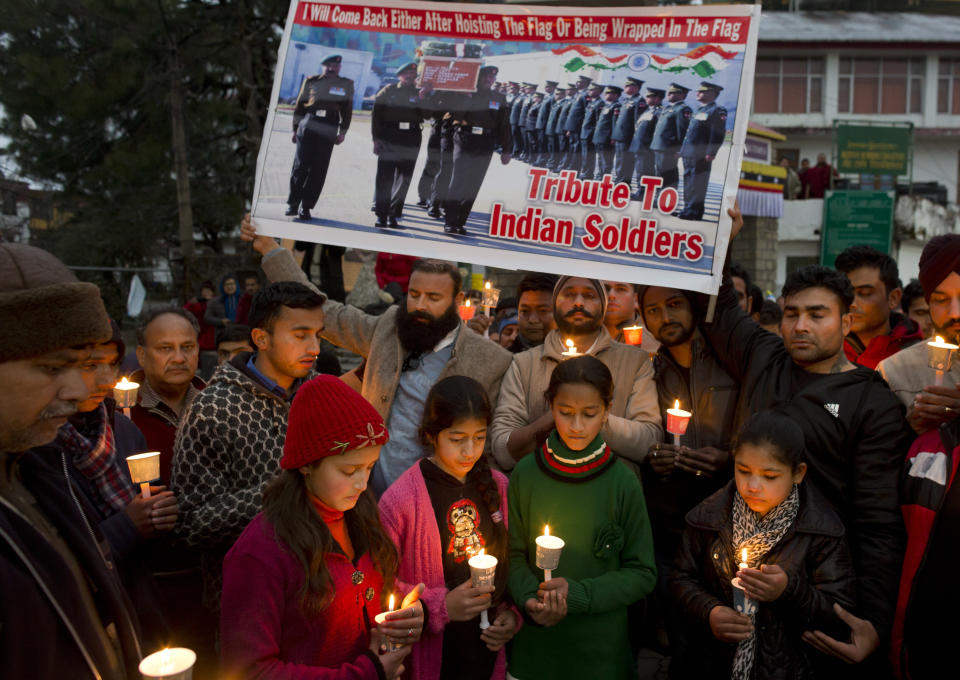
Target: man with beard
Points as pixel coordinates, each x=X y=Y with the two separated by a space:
x=523 y=420
x=854 y=430
x=63 y=610
x=407 y=349
x=679 y=477
x=908 y=371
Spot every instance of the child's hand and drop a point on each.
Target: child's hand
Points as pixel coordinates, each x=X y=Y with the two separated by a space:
x=465 y=602
x=729 y=626
x=550 y=611
x=557 y=585
x=765 y=584
x=404 y=626
x=390 y=661
x=501 y=631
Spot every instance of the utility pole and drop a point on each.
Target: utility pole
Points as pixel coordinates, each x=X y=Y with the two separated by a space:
x=181 y=170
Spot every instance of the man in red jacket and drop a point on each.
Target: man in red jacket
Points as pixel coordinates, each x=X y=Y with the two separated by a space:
x=876 y=330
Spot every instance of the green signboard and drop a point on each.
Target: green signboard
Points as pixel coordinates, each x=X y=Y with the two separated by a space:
x=876 y=149
x=852 y=218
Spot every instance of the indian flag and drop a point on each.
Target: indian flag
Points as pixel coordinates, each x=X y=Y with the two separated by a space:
x=705 y=61
x=587 y=57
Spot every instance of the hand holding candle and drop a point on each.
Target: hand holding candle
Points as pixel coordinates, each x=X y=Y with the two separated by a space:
x=403 y=626
x=125 y=394
x=483 y=569
x=174 y=663
x=491 y=296
x=633 y=335
x=548 y=552
x=677 y=421
x=940 y=357
x=382 y=617
x=743 y=604
x=466 y=310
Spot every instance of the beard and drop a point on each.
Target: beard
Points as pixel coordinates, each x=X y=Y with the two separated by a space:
x=417 y=336
x=569 y=328
x=684 y=336
x=950 y=330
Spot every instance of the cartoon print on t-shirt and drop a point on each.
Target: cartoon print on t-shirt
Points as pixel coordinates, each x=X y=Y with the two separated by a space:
x=462 y=521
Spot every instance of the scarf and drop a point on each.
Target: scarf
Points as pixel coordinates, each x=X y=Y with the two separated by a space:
x=758 y=535
x=94 y=455
x=560 y=462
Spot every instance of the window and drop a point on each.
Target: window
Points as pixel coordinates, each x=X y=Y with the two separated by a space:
x=948 y=85
x=788 y=85
x=880 y=85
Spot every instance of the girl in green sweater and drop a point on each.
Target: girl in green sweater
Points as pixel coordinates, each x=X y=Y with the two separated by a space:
x=577 y=621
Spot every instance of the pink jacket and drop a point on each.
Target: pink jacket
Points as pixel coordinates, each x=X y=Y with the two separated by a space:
x=407 y=516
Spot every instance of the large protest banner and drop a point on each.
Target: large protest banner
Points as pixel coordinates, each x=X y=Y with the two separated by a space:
x=631 y=185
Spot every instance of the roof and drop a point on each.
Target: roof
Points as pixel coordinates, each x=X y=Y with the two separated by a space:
x=852 y=27
x=754 y=128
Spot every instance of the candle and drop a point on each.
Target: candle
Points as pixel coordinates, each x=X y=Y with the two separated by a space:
x=125 y=394
x=940 y=357
x=382 y=617
x=633 y=335
x=491 y=296
x=571 y=350
x=743 y=604
x=483 y=569
x=144 y=468
x=677 y=421
x=466 y=310
x=548 y=552
x=175 y=663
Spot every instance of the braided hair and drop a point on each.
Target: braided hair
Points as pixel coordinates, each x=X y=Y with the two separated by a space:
x=457 y=398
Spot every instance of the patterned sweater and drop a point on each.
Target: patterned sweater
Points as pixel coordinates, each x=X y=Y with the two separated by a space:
x=227 y=449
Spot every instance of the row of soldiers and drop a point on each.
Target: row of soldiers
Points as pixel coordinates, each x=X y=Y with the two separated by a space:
x=599 y=130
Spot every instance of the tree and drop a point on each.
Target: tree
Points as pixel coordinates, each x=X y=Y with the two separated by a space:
x=99 y=77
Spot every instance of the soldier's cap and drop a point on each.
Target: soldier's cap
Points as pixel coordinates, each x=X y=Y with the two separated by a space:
x=489 y=69
x=656 y=92
x=409 y=66
x=554 y=83
x=529 y=84
x=706 y=87
x=614 y=89
x=513 y=83
x=634 y=81
x=332 y=59
x=572 y=85
x=677 y=87
x=538 y=94
x=595 y=86
x=587 y=78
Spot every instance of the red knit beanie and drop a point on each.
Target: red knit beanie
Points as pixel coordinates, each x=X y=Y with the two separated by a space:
x=940 y=257
x=329 y=417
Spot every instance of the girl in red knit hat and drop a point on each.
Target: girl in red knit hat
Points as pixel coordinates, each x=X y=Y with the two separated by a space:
x=306 y=579
x=440 y=513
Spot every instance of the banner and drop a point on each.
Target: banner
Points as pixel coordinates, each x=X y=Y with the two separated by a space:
x=594 y=141
x=869 y=148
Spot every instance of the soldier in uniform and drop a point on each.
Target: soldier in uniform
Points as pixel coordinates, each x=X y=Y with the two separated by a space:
x=563 y=141
x=513 y=89
x=632 y=107
x=608 y=110
x=552 y=156
x=398 y=113
x=435 y=106
x=643 y=137
x=707 y=129
x=571 y=128
x=669 y=133
x=480 y=127
x=529 y=89
x=532 y=143
x=516 y=106
x=588 y=152
x=543 y=114
x=321 y=118
x=438 y=198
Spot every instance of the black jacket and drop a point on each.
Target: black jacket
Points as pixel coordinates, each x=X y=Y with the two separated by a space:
x=712 y=394
x=819 y=570
x=44 y=628
x=856 y=438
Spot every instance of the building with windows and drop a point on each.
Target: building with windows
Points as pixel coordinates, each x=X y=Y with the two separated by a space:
x=814 y=68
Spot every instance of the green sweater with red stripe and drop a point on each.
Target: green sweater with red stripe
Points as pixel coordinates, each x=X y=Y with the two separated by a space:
x=594 y=503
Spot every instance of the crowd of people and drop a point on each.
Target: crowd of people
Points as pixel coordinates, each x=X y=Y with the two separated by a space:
x=308 y=525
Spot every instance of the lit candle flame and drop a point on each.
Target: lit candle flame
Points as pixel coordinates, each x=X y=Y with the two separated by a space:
x=166 y=663
x=482 y=551
x=546 y=529
x=676 y=404
x=743 y=555
x=392 y=601
x=124 y=384
x=467 y=303
x=939 y=340
x=487 y=285
x=570 y=344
